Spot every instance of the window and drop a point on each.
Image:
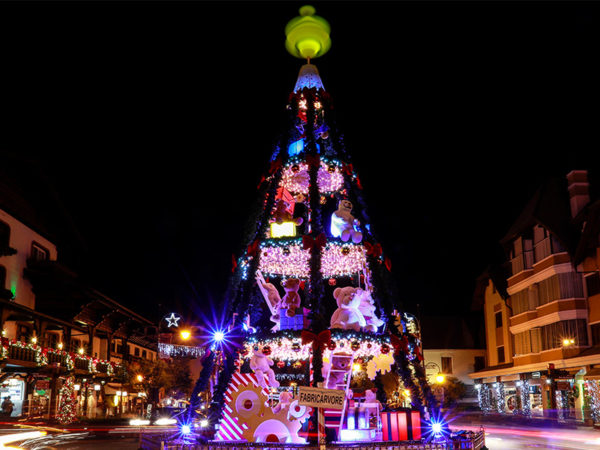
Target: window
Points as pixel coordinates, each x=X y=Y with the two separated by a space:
x=39 y=253
x=560 y=286
x=446 y=364
x=527 y=342
x=479 y=363
x=592 y=283
x=500 y=351
x=2 y=277
x=144 y=354
x=552 y=335
x=499 y=319
x=136 y=351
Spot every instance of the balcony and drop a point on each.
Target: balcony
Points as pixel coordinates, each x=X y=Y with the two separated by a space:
x=521 y=262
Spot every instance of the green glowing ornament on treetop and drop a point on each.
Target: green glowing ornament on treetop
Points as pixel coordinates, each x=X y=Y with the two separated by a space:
x=307 y=36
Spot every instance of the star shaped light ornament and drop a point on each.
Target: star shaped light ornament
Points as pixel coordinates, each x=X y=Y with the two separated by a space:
x=172 y=320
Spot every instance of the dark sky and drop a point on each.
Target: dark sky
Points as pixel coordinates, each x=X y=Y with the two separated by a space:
x=154 y=122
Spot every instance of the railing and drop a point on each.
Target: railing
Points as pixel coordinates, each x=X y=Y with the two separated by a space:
x=21 y=353
x=470 y=441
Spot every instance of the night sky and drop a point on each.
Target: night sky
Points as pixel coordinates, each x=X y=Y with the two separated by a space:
x=153 y=123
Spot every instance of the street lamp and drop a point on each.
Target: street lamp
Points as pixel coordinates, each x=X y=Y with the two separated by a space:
x=185 y=334
x=140 y=378
x=440 y=378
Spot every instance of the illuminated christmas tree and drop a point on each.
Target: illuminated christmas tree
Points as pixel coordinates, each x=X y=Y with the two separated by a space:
x=312 y=290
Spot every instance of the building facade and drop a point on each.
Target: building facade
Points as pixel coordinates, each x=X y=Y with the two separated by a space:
x=54 y=327
x=542 y=308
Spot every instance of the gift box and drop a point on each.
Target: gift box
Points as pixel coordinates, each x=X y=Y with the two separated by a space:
x=401 y=425
x=297 y=322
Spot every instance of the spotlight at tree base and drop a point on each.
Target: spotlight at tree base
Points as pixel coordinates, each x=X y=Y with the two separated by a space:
x=436 y=429
x=185 y=429
x=218 y=337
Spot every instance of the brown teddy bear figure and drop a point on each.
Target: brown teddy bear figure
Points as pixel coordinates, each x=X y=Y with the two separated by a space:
x=340 y=365
x=283 y=215
x=291 y=299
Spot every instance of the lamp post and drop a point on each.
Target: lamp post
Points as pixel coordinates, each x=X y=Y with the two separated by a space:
x=440 y=378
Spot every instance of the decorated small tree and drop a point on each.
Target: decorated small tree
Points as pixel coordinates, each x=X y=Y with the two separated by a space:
x=67 y=411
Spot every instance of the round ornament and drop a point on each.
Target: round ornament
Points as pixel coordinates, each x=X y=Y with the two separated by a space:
x=385 y=349
x=345 y=250
x=295 y=168
x=285 y=251
x=332 y=282
x=332 y=345
x=355 y=345
x=331 y=169
x=266 y=350
x=295 y=347
x=281 y=364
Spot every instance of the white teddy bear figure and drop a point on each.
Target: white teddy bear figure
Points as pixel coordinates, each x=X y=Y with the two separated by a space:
x=342 y=223
x=260 y=364
x=347 y=316
x=367 y=309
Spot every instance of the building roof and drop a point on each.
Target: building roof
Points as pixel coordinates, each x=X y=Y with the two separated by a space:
x=550 y=208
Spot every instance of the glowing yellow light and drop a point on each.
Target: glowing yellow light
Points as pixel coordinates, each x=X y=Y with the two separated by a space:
x=81 y=351
x=440 y=378
x=185 y=334
x=406 y=392
x=140 y=378
x=307 y=36
x=60 y=345
x=283 y=229
x=34 y=340
x=3 y=333
x=356 y=367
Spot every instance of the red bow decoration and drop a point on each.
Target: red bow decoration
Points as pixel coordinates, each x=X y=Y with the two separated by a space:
x=252 y=248
x=319 y=341
x=233 y=263
x=275 y=165
x=309 y=243
x=418 y=353
x=388 y=264
x=358 y=184
x=348 y=168
x=399 y=344
x=373 y=250
x=313 y=161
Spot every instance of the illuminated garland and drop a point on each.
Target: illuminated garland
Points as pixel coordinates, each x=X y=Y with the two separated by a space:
x=68 y=402
x=484 y=396
x=287 y=258
x=178 y=351
x=342 y=259
x=525 y=399
x=68 y=359
x=593 y=388
x=500 y=401
x=295 y=178
x=287 y=346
